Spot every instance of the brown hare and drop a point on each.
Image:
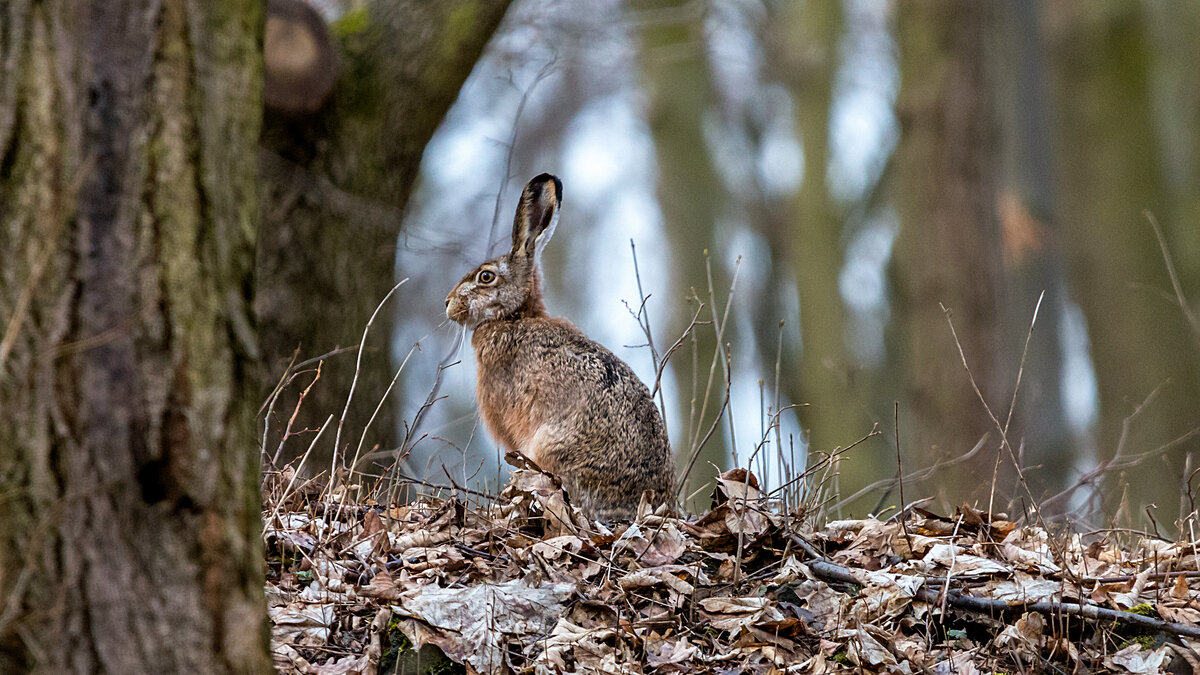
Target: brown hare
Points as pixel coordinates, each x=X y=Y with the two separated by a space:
x=548 y=392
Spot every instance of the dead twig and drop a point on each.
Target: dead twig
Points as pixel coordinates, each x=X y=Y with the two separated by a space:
x=830 y=571
x=337 y=439
x=1184 y=305
x=918 y=475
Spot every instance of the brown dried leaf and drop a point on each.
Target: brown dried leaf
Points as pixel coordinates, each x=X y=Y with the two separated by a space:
x=382 y=586
x=1180 y=590
x=666 y=575
x=1022 y=588
x=884 y=595
x=734 y=613
x=960 y=564
x=1185 y=615
x=652 y=546
x=347 y=665
x=1133 y=597
x=865 y=651
x=301 y=620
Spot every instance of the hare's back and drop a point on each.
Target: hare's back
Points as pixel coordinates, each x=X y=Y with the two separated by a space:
x=570 y=378
x=585 y=367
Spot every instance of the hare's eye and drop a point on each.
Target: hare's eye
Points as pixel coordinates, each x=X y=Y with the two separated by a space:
x=485 y=276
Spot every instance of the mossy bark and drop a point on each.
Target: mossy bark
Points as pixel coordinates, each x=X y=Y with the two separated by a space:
x=129 y=513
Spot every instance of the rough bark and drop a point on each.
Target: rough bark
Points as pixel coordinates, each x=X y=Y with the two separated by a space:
x=129 y=526
x=336 y=184
x=946 y=251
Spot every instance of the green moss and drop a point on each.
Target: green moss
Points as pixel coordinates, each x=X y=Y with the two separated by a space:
x=353 y=22
x=1144 y=609
x=1146 y=642
x=459 y=27
x=398 y=643
x=401 y=659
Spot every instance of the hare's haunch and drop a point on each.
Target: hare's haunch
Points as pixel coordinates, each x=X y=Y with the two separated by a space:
x=548 y=392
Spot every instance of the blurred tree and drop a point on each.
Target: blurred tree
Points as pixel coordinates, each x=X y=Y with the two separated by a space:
x=803 y=52
x=946 y=250
x=677 y=77
x=1174 y=41
x=336 y=183
x=1112 y=168
x=129 y=510
x=1032 y=245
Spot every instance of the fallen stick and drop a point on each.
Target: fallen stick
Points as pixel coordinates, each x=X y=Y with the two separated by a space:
x=828 y=571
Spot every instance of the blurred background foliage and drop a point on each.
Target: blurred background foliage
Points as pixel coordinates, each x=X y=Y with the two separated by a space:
x=882 y=194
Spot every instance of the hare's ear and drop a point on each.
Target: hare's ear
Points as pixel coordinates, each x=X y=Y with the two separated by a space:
x=537 y=216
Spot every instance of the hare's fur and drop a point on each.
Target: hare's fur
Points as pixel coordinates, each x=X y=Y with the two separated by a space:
x=547 y=391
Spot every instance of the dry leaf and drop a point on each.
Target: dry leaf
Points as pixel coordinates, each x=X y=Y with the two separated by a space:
x=471 y=624
x=962 y=564
x=1136 y=660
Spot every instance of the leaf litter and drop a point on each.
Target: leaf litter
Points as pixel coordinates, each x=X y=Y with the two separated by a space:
x=526 y=584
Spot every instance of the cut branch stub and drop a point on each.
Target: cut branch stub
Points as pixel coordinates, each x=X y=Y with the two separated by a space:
x=299 y=58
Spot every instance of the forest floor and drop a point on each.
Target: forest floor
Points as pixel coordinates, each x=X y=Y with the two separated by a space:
x=523 y=583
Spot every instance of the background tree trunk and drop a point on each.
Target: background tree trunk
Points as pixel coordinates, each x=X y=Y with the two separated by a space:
x=1032 y=244
x=129 y=511
x=1112 y=171
x=675 y=64
x=336 y=184
x=806 y=38
x=946 y=196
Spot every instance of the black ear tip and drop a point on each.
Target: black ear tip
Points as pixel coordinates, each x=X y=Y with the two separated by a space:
x=541 y=179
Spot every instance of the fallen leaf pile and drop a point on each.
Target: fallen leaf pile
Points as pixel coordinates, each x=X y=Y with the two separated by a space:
x=525 y=584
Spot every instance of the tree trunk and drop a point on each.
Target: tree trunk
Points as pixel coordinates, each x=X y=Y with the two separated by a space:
x=806 y=37
x=690 y=192
x=945 y=251
x=336 y=186
x=1032 y=245
x=1112 y=170
x=129 y=512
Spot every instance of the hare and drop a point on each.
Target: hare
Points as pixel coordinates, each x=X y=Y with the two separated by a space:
x=548 y=392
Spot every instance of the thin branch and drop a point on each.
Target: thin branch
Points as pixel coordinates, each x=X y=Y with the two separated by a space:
x=696 y=450
x=674 y=347
x=1119 y=460
x=1012 y=404
x=1184 y=306
x=1003 y=431
x=900 y=476
x=918 y=475
x=512 y=142
x=287 y=432
x=296 y=473
x=337 y=439
x=829 y=571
